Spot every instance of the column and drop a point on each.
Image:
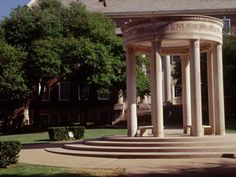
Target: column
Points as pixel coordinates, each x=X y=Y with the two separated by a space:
x=219 y=91
x=186 y=94
x=196 y=102
x=131 y=92
x=156 y=90
x=210 y=83
x=167 y=78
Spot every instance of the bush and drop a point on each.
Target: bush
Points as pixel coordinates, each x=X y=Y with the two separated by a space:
x=56 y=133
x=78 y=131
x=65 y=133
x=9 y=153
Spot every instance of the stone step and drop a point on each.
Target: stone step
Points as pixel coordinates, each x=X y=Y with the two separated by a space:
x=156 y=144
x=141 y=154
x=82 y=147
x=166 y=139
x=152 y=147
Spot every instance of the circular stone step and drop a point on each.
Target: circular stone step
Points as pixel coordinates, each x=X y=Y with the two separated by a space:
x=140 y=155
x=152 y=147
x=82 y=147
x=165 y=139
x=155 y=144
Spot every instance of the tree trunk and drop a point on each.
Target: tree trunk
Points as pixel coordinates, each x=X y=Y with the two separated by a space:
x=37 y=105
x=26 y=117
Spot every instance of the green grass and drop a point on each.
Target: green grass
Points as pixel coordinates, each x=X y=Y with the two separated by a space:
x=89 y=134
x=25 y=170
x=95 y=133
x=230 y=130
x=27 y=138
x=43 y=137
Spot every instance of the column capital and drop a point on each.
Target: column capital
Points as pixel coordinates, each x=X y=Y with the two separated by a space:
x=156 y=45
x=129 y=48
x=194 y=42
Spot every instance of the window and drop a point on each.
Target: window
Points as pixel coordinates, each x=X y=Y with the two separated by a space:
x=45 y=120
x=227 y=25
x=103 y=96
x=46 y=93
x=64 y=119
x=83 y=93
x=64 y=91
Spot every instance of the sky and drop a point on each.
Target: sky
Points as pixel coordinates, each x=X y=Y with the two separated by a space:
x=7 y=5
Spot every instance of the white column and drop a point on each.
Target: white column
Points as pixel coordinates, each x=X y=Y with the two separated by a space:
x=219 y=92
x=196 y=102
x=210 y=83
x=186 y=94
x=167 y=78
x=156 y=90
x=131 y=92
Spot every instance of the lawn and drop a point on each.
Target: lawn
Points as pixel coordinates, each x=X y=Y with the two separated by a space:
x=89 y=134
x=232 y=130
x=43 y=136
x=25 y=170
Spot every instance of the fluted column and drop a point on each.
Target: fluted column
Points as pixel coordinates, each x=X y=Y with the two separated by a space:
x=167 y=78
x=210 y=83
x=196 y=102
x=219 y=92
x=186 y=93
x=131 y=92
x=156 y=90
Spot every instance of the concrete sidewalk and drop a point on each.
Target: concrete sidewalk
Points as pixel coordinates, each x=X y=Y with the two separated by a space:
x=213 y=167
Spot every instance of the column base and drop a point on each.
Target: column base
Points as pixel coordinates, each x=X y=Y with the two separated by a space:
x=221 y=133
x=187 y=129
x=198 y=133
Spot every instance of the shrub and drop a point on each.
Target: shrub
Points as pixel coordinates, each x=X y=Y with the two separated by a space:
x=57 y=133
x=78 y=131
x=62 y=133
x=9 y=153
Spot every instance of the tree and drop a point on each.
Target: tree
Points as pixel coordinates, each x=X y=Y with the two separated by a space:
x=12 y=80
x=143 y=81
x=229 y=66
x=63 y=40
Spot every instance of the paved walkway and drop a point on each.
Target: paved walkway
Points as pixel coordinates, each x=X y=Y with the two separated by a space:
x=215 y=167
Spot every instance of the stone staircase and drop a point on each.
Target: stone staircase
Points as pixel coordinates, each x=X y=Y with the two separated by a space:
x=152 y=147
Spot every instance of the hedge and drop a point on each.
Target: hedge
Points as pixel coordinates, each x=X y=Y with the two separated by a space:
x=9 y=153
x=65 y=133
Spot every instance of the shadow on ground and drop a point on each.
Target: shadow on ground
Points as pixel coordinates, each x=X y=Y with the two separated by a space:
x=46 y=145
x=222 y=170
x=43 y=175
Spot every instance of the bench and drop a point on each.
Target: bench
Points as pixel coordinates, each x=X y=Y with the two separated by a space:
x=207 y=130
x=144 y=130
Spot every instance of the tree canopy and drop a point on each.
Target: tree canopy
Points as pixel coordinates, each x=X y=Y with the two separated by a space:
x=12 y=78
x=58 y=38
x=49 y=41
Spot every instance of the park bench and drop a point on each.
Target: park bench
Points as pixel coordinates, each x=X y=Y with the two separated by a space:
x=206 y=129
x=144 y=130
